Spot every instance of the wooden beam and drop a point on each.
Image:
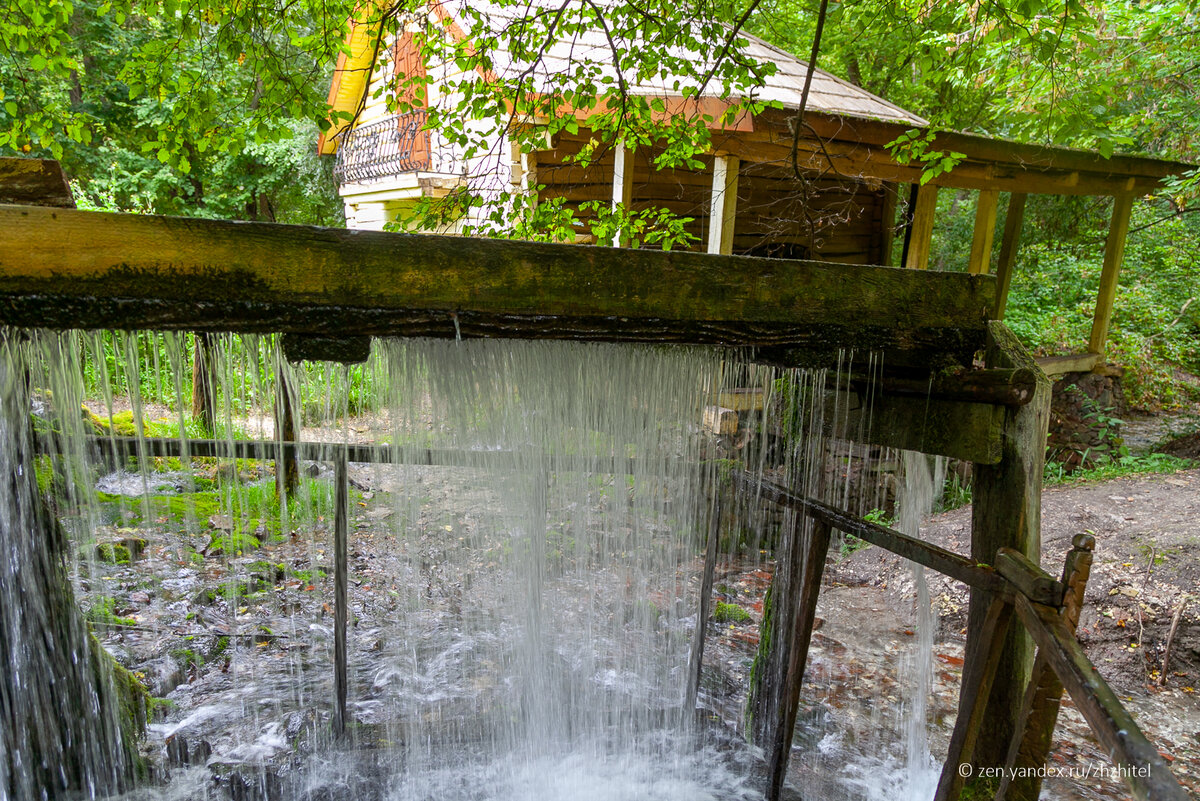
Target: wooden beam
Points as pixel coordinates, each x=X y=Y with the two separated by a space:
x=76 y=269
x=34 y=182
x=722 y=209
x=922 y=228
x=1143 y=769
x=622 y=185
x=1006 y=513
x=1054 y=366
x=1114 y=252
x=1029 y=579
x=980 y=261
x=932 y=556
x=696 y=662
x=1009 y=243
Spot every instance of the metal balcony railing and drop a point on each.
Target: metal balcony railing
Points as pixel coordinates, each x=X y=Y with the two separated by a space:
x=391 y=146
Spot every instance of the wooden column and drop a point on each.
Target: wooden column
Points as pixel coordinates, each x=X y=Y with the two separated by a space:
x=696 y=663
x=780 y=746
x=203 y=394
x=1114 y=251
x=979 y=672
x=622 y=191
x=985 y=232
x=341 y=594
x=722 y=209
x=525 y=172
x=287 y=468
x=1006 y=513
x=1008 y=251
x=887 y=223
x=921 y=228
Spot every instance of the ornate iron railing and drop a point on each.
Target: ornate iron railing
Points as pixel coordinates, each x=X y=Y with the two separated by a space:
x=393 y=145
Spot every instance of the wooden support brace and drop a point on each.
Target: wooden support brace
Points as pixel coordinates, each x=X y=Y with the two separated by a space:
x=696 y=663
x=797 y=656
x=203 y=392
x=985 y=232
x=1114 y=252
x=341 y=595
x=921 y=233
x=1143 y=769
x=1008 y=251
x=1030 y=749
x=979 y=670
x=722 y=207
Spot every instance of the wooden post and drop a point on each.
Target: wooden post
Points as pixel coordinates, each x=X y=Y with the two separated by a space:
x=1039 y=711
x=622 y=191
x=1114 y=251
x=797 y=655
x=985 y=231
x=696 y=662
x=722 y=208
x=1008 y=251
x=341 y=594
x=525 y=172
x=887 y=223
x=921 y=233
x=979 y=672
x=1006 y=512
x=203 y=402
x=287 y=468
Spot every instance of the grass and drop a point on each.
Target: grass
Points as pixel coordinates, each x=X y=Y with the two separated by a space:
x=730 y=613
x=1119 y=467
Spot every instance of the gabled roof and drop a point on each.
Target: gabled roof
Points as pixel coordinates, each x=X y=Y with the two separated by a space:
x=828 y=93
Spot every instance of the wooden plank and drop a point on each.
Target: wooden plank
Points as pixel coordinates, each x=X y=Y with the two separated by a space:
x=722 y=207
x=969 y=431
x=923 y=213
x=1043 y=696
x=622 y=185
x=1061 y=365
x=979 y=671
x=1009 y=243
x=1114 y=252
x=980 y=261
x=34 y=182
x=1143 y=769
x=76 y=269
x=1006 y=513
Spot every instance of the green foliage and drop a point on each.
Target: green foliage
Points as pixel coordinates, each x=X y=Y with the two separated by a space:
x=1118 y=467
x=730 y=613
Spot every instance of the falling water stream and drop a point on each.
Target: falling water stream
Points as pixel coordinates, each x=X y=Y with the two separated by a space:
x=522 y=610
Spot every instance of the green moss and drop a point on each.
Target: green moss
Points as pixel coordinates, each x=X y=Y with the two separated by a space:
x=979 y=788
x=103 y=613
x=730 y=613
x=113 y=553
x=131 y=699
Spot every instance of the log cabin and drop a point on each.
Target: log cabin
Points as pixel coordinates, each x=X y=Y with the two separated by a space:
x=833 y=192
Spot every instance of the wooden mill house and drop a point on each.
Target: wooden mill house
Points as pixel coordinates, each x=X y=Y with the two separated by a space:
x=842 y=197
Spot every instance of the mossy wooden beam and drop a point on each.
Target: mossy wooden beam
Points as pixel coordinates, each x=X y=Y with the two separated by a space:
x=36 y=182
x=61 y=268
